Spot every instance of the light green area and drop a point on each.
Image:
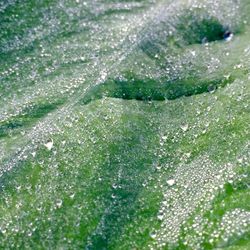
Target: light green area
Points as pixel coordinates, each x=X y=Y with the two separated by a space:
x=124 y=124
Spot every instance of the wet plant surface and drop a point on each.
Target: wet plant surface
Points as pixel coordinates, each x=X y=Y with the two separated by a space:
x=124 y=124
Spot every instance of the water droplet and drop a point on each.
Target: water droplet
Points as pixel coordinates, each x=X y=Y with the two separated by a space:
x=33 y=154
x=49 y=144
x=164 y=137
x=59 y=203
x=193 y=53
x=160 y=216
x=228 y=36
x=153 y=235
x=184 y=127
x=171 y=182
x=72 y=196
x=240 y=160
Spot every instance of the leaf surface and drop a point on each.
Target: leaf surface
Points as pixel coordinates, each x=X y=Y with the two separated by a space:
x=124 y=124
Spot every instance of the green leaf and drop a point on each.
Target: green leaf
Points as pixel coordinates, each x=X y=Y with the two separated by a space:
x=124 y=124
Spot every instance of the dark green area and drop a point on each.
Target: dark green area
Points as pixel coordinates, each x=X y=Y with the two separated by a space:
x=28 y=117
x=150 y=89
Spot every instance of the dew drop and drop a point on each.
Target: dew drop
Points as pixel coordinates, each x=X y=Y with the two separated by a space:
x=33 y=154
x=171 y=182
x=228 y=36
x=59 y=203
x=49 y=144
x=184 y=127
